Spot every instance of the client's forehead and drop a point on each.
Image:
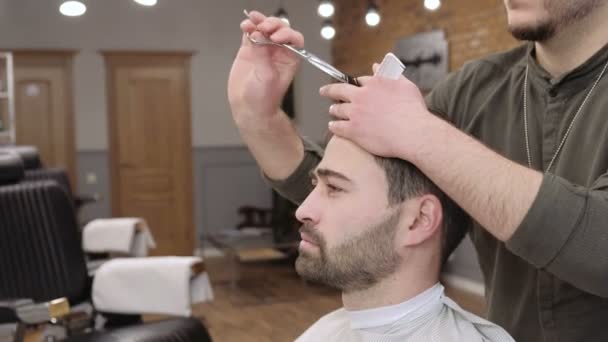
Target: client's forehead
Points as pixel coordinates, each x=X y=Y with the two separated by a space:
x=343 y=156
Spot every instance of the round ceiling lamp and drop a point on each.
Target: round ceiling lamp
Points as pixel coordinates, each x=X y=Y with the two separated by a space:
x=328 y=31
x=372 y=17
x=326 y=9
x=148 y=3
x=72 y=8
x=432 y=5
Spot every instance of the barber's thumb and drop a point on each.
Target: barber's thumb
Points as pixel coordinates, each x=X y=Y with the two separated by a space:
x=339 y=127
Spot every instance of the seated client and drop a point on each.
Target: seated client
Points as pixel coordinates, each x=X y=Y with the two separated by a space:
x=379 y=230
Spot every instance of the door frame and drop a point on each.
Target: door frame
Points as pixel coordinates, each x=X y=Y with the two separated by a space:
x=115 y=59
x=64 y=59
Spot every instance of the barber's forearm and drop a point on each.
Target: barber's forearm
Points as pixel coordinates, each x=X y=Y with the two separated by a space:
x=495 y=191
x=273 y=141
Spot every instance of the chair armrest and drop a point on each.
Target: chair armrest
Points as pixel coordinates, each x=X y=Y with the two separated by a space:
x=126 y=236
x=8 y=309
x=37 y=313
x=154 y=285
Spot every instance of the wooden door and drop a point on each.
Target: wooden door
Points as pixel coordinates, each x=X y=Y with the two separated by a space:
x=43 y=107
x=150 y=145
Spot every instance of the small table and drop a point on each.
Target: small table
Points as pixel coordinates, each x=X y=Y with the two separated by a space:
x=249 y=245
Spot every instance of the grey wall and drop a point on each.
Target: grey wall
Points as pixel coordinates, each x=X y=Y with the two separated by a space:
x=94 y=163
x=226 y=179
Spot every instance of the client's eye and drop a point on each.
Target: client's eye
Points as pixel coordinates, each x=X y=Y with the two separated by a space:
x=333 y=188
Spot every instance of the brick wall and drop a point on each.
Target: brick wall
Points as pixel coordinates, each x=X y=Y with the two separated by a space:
x=473 y=28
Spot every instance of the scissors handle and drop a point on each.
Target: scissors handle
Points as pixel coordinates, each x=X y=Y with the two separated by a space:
x=352 y=80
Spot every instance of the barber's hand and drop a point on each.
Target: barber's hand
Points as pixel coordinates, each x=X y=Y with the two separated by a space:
x=261 y=74
x=385 y=117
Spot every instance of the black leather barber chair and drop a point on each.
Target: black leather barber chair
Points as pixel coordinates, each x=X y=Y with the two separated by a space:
x=34 y=170
x=43 y=273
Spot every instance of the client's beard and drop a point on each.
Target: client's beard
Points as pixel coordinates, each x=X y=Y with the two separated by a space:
x=358 y=263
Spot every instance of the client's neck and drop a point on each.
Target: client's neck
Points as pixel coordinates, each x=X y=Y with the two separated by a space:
x=406 y=283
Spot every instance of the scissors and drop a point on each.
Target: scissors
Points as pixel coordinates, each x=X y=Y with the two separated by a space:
x=310 y=58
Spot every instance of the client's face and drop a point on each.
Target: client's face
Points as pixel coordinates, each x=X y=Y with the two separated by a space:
x=348 y=236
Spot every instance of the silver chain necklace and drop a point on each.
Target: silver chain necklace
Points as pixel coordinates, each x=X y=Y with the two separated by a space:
x=580 y=108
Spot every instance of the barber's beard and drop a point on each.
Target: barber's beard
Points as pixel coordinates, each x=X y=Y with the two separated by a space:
x=561 y=14
x=356 y=264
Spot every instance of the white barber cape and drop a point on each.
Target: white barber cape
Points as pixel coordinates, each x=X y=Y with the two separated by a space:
x=428 y=317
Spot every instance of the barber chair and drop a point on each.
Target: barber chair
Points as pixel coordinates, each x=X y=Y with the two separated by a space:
x=43 y=273
x=34 y=170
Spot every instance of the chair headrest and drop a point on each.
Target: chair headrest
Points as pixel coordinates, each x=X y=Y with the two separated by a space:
x=11 y=168
x=29 y=155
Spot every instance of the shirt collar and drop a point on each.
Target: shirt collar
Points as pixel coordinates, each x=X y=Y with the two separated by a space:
x=582 y=74
x=409 y=310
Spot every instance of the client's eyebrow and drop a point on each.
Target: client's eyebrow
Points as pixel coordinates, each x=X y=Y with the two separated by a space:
x=326 y=173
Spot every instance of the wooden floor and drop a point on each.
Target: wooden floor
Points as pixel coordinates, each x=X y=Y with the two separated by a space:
x=269 y=302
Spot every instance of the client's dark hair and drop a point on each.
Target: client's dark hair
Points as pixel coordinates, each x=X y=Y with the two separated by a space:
x=406 y=181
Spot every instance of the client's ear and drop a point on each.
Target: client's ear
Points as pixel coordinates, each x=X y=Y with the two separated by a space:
x=429 y=215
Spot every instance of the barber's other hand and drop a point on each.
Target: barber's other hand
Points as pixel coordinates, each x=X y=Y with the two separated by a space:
x=386 y=117
x=261 y=74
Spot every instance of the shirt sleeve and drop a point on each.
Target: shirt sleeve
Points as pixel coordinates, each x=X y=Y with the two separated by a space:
x=437 y=101
x=298 y=185
x=566 y=232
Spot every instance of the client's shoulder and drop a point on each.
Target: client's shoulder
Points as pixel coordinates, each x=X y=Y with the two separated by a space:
x=329 y=327
x=472 y=326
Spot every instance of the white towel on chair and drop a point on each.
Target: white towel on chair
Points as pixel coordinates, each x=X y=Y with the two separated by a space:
x=130 y=236
x=154 y=285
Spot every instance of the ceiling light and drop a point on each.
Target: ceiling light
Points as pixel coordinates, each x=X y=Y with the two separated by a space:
x=432 y=5
x=372 y=17
x=146 y=2
x=328 y=31
x=72 y=8
x=326 y=9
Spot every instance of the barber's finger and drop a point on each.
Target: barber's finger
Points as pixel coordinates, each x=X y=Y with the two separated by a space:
x=363 y=79
x=271 y=25
x=338 y=91
x=340 y=111
x=247 y=26
x=286 y=35
x=256 y=17
x=375 y=67
x=340 y=127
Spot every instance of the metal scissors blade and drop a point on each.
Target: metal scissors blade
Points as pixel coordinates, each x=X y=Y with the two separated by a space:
x=309 y=57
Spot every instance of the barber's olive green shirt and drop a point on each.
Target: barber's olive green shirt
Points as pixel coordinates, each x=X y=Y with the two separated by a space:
x=549 y=282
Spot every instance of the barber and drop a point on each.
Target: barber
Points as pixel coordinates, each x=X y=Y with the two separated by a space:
x=518 y=139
